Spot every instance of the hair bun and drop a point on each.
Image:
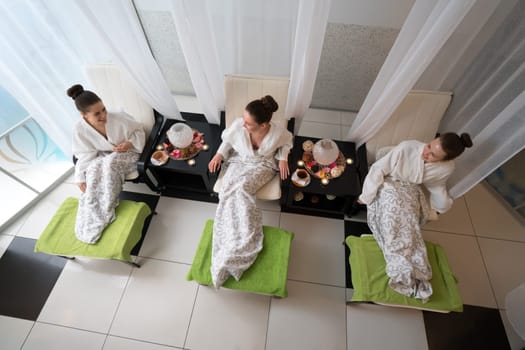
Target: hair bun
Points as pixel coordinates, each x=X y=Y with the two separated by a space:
x=465 y=140
x=269 y=103
x=75 y=90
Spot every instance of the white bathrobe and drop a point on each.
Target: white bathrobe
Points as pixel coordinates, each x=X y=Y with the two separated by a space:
x=88 y=143
x=404 y=163
x=275 y=146
x=103 y=171
x=238 y=229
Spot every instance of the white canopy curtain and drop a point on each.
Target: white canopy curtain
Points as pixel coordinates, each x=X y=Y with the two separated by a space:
x=200 y=51
x=36 y=67
x=427 y=27
x=489 y=104
x=256 y=37
x=114 y=26
x=44 y=45
x=309 y=36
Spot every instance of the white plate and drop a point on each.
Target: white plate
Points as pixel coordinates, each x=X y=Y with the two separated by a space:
x=160 y=161
x=297 y=181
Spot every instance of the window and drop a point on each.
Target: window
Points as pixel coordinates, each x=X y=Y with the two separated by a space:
x=30 y=162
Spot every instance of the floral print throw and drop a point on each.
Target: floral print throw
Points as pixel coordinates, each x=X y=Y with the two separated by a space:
x=395 y=217
x=104 y=180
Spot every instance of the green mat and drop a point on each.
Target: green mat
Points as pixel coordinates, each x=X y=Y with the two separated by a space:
x=116 y=242
x=371 y=282
x=267 y=275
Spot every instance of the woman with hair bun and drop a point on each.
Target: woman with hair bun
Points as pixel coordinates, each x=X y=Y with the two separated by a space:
x=253 y=149
x=107 y=147
x=397 y=205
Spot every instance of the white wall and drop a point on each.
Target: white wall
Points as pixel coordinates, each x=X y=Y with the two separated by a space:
x=377 y=13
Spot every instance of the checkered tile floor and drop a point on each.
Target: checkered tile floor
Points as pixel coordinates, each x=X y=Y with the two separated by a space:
x=47 y=302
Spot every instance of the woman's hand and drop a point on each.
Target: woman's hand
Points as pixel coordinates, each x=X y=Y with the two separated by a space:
x=215 y=163
x=359 y=201
x=82 y=186
x=283 y=169
x=123 y=147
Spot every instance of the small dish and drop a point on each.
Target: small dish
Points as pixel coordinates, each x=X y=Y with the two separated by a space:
x=159 y=158
x=301 y=178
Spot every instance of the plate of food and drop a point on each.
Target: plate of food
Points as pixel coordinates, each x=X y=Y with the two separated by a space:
x=301 y=178
x=196 y=145
x=330 y=171
x=159 y=158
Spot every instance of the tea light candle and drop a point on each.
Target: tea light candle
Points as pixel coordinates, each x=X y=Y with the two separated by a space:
x=191 y=162
x=349 y=161
x=205 y=147
x=325 y=181
x=300 y=163
x=159 y=147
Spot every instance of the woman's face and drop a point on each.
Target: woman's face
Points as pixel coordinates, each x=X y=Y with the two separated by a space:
x=433 y=152
x=96 y=115
x=250 y=124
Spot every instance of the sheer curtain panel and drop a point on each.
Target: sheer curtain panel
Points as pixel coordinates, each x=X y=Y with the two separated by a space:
x=115 y=24
x=427 y=27
x=45 y=44
x=200 y=51
x=312 y=19
x=489 y=104
x=270 y=38
x=36 y=67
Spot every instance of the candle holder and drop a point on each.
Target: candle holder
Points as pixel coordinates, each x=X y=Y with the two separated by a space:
x=325 y=181
x=160 y=147
x=205 y=147
x=349 y=161
x=300 y=163
x=191 y=162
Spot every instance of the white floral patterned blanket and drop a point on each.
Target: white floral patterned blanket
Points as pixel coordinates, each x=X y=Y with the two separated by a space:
x=104 y=180
x=238 y=228
x=395 y=217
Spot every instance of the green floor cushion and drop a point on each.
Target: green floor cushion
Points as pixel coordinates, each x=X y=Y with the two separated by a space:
x=267 y=275
x=116 y=242
x=371 y=282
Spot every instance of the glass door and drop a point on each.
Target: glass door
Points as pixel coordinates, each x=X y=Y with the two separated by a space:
x=30 y=162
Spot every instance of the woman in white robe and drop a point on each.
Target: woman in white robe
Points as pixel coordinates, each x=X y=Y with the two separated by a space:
x=397 y=206
x=253 y=149
x=107 y=147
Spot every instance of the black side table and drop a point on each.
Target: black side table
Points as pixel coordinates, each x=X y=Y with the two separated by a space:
x=177 y=177
x=345 y=188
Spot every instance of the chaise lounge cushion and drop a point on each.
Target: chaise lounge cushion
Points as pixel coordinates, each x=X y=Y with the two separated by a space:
x=116 y=242
x=267 y=275
x=371 y=282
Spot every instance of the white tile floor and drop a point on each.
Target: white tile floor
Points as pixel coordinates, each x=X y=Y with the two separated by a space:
x=109 y=305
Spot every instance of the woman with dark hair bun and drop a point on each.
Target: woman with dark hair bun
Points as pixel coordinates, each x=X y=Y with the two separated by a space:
x=397 y=205
x=107 y=147
x=254 y=148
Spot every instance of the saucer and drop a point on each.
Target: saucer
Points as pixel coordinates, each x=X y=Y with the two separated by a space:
x=159 y=158
x=297 y=181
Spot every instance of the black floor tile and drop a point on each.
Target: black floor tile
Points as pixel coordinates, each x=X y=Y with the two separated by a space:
x=475 y=328
x=191 y=195
x=26 y=278
x=151 y=201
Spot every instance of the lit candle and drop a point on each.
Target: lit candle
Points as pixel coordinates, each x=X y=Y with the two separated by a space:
x=205 y=147
x=191 y=162
x=325 y=181
x=349 y=161
x=300 y=163
x=159 y=147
